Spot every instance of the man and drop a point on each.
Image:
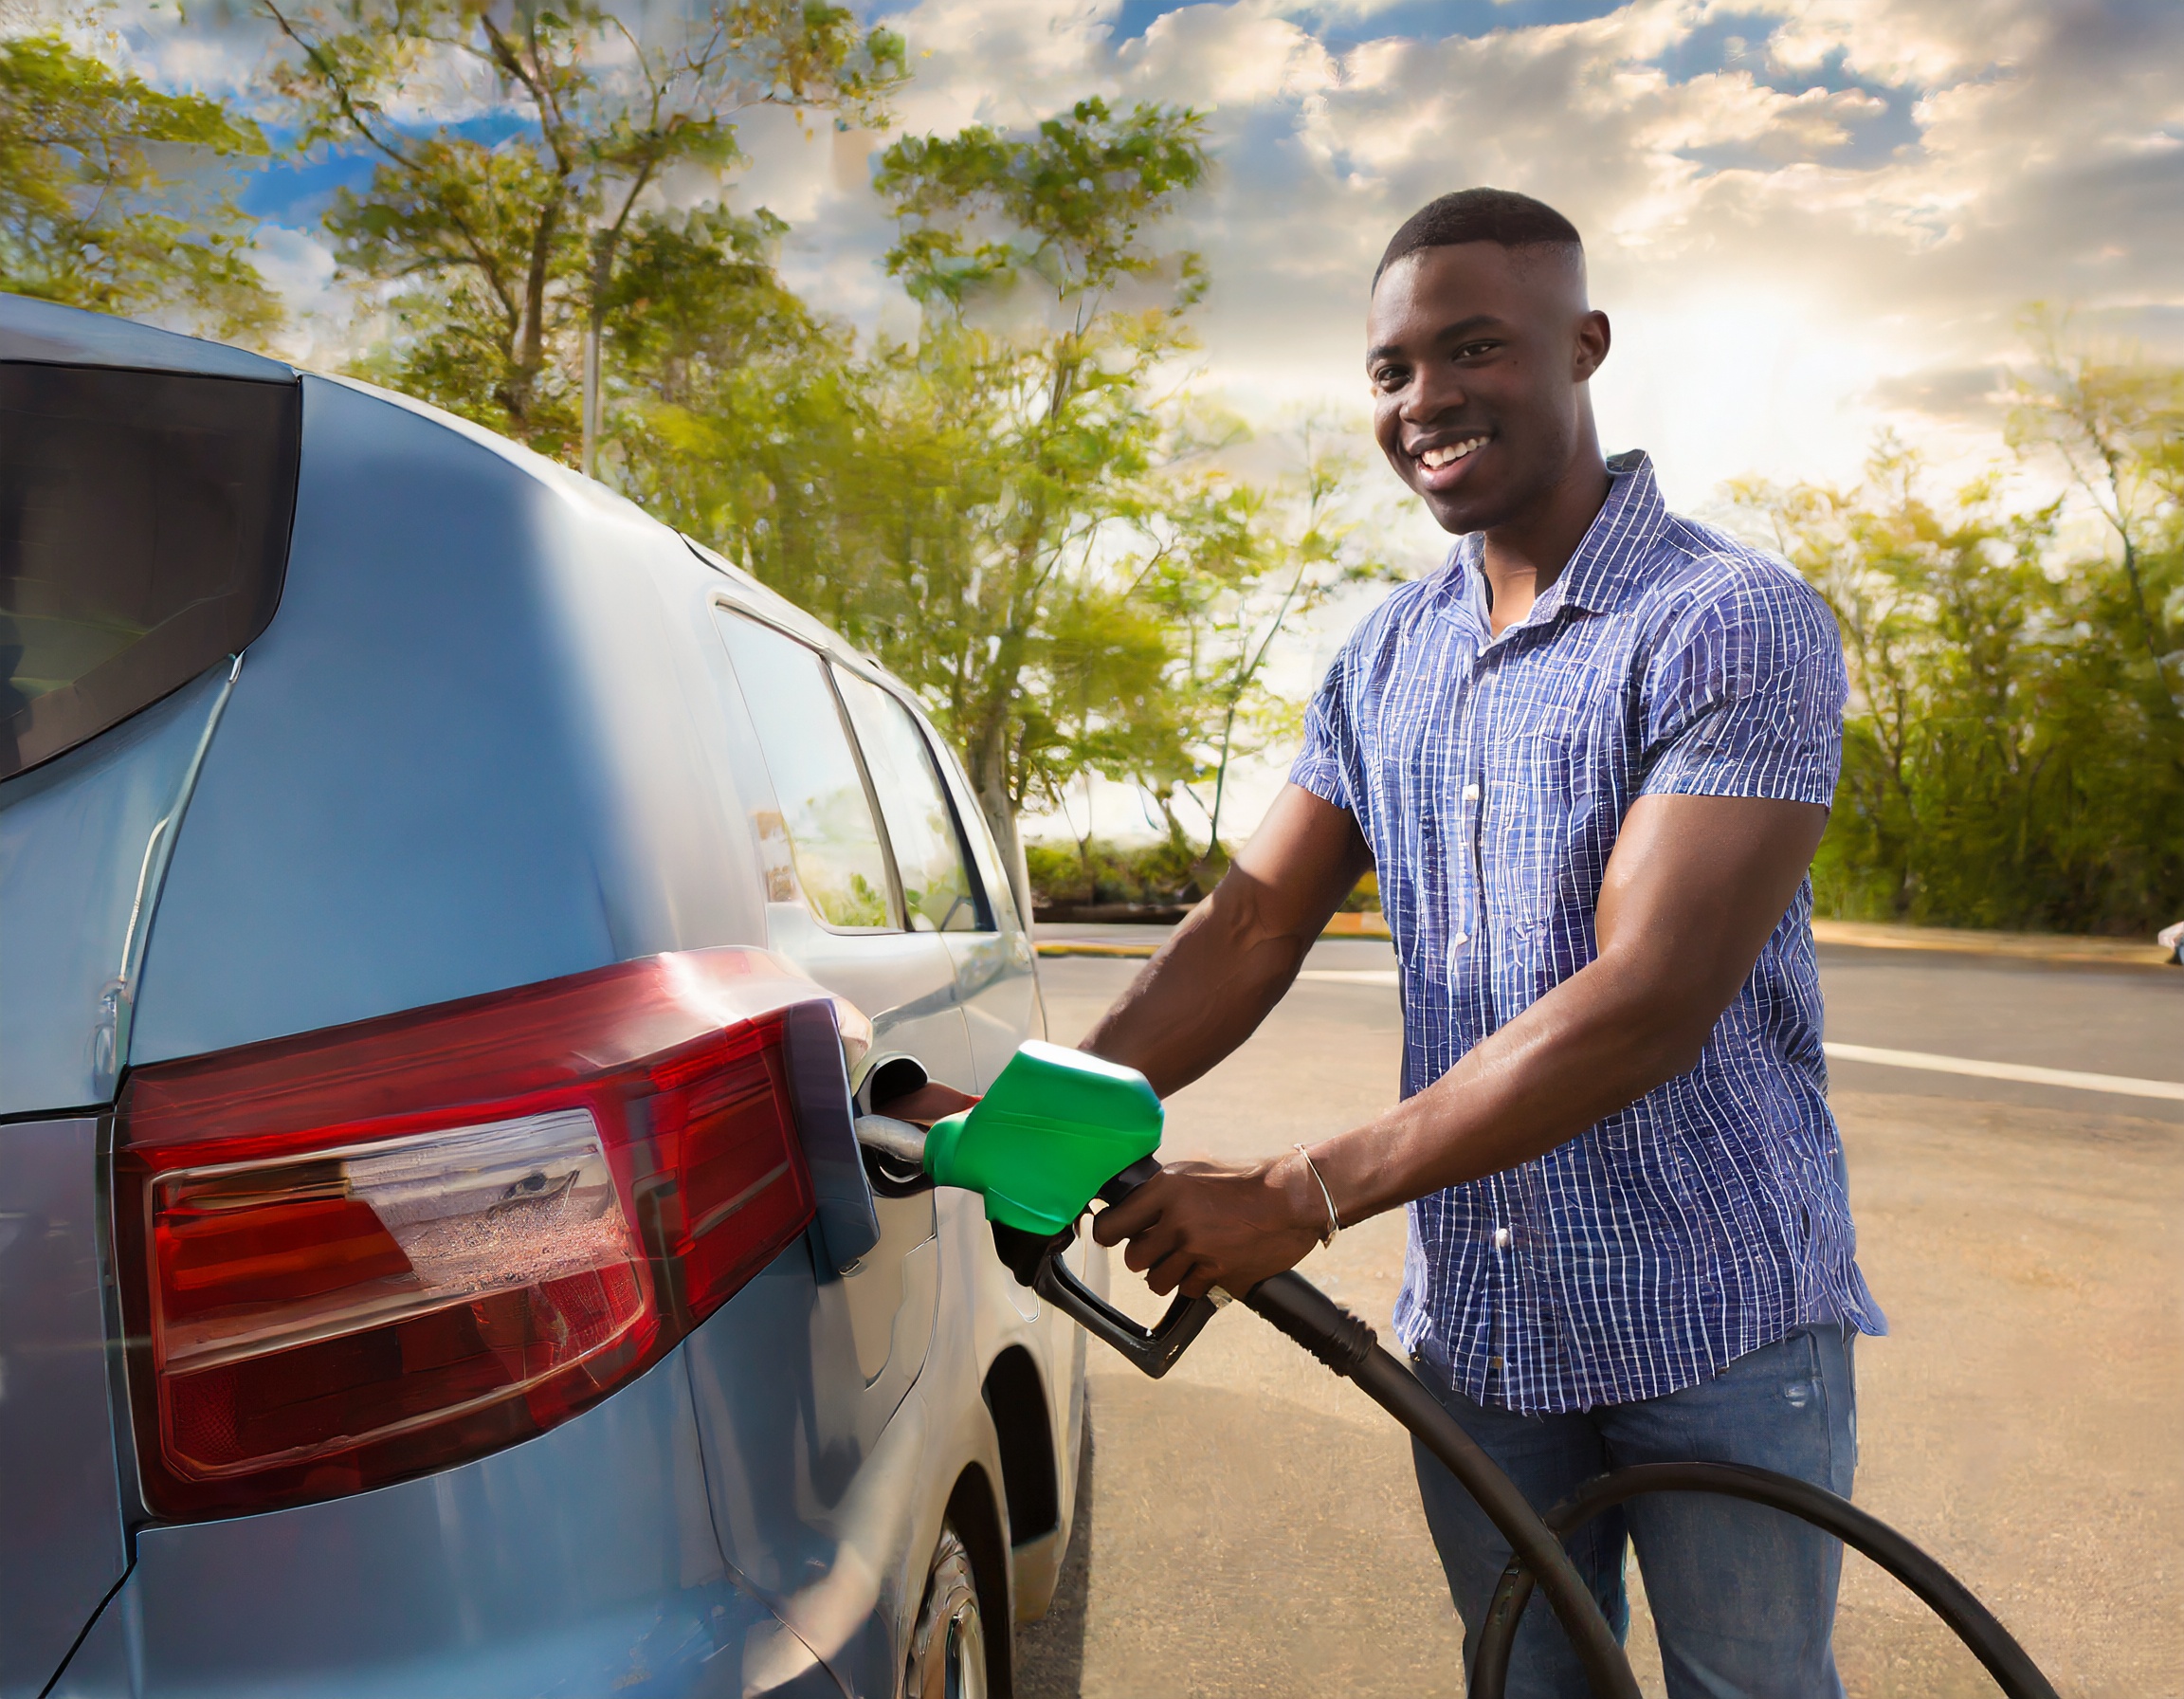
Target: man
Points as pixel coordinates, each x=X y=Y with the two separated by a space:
x=1591 y=759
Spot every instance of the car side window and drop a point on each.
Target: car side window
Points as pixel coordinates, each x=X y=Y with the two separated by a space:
x=938 y=893
x=826 y=809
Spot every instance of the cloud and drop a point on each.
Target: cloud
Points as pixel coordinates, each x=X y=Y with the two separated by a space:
x=1786 y=205
x=1858 y=190
x=1798 y=210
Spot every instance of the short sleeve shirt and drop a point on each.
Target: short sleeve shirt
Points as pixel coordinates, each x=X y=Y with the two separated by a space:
x=1490 y=778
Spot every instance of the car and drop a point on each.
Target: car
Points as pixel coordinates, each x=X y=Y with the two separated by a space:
x=450 y=926
x=2172 y=939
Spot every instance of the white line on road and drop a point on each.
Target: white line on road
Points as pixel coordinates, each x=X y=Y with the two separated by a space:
x=2071 y=1079
x=2119 y=1085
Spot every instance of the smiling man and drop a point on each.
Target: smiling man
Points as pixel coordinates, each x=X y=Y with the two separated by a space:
x=1591 y=759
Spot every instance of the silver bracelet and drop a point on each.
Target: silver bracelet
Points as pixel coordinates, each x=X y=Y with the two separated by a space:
x=1334 y=1220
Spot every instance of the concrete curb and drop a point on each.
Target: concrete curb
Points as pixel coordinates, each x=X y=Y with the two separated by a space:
x=2024 y=946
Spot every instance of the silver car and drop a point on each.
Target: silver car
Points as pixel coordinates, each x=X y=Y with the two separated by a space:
x=448 y=926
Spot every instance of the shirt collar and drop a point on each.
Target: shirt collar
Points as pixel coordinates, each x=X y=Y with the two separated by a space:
x=1608 y=560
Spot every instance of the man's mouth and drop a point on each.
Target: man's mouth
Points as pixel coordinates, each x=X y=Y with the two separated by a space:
x=1443 y=455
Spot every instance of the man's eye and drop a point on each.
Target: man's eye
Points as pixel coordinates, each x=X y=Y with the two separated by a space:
x=1473 y=350
x=1389 y=378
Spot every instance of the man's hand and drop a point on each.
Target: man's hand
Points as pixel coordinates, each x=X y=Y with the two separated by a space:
x=1198 y=1225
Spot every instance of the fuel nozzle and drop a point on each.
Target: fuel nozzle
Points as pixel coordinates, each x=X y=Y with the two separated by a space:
x=1057 y=1129
x=1056 y=1126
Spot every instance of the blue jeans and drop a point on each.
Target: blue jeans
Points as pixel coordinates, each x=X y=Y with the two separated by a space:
x=1743 y=1598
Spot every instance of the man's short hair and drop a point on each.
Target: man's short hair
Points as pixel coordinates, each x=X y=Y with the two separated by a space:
x=1497 y=215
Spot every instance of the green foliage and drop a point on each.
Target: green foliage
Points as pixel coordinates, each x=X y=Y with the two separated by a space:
x=1017 y=246
x=1164 y=874
x=504 y=256
x=2014 y=751
x=981 y=211
x=105 y=199
x=971 y=506
x=1239 y=566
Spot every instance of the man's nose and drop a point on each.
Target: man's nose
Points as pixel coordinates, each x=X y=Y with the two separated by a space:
x=1431 y=393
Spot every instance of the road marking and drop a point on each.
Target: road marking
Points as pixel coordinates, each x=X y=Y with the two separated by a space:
x=1926 y=1061
x=2117 y=1085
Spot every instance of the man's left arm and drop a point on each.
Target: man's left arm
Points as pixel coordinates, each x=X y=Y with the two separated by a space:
x=1696 y=885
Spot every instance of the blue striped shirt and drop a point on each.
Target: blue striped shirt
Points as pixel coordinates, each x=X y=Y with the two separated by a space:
x=1490 y=776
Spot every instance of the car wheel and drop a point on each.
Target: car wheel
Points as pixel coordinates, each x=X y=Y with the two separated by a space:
x=948 y=1647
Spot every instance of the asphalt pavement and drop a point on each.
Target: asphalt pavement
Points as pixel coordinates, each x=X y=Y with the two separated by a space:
x=1249 y=1526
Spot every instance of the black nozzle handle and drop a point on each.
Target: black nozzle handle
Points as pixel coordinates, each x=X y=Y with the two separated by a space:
x=1037 y=1263
x=1154 y=1349
x=1116 y=1190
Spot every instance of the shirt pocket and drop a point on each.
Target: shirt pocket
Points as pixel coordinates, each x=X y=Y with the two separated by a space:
x=1529 y=794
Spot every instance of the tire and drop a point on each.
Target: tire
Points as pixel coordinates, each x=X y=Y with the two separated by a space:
x=948 y=1656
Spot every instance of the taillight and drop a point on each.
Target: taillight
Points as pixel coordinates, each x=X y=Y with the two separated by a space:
x=354 y=1256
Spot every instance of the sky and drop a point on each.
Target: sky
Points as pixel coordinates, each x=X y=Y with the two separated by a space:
x=1809 y=221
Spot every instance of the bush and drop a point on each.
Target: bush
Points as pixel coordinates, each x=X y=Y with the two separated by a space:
x=1167 y=873
x=2014 y=751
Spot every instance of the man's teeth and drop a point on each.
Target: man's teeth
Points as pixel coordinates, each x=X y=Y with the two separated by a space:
x=1434 y=459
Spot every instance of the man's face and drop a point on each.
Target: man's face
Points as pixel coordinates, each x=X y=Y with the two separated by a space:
x=1478 y=356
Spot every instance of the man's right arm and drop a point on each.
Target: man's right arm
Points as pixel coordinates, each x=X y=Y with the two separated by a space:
x=1230 y=961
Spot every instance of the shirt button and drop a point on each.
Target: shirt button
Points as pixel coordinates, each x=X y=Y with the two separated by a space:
x=1501 y=1239
x=1470 y=792
x=1458 y=941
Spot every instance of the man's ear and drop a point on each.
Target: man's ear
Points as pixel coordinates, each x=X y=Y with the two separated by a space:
x=1591 y=342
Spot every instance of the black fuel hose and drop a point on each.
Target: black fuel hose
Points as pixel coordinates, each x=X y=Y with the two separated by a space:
x=1943 y=1594
x=1348 y=1345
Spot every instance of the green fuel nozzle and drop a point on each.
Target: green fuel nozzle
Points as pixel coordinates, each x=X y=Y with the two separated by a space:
x=1055 y=1126
x=1056 y=1129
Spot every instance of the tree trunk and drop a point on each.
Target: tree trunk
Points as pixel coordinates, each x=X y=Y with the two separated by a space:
x=988 y=763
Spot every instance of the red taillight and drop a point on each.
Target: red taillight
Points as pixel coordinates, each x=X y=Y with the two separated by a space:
x=355 y=1255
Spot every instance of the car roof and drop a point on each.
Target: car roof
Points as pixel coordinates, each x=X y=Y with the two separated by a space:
x=746 y=589
x=48 y=333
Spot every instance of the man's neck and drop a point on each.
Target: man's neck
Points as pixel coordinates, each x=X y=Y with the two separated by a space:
x=1524 y=555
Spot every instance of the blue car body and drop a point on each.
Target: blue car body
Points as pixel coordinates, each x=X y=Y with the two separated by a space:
x=489 y=737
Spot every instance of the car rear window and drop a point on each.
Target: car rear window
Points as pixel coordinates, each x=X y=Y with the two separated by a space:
x=143 y=532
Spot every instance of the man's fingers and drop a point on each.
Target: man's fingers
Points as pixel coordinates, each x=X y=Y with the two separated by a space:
x=1148 y=1247
x=1134 y=1215
x=1180 y=1269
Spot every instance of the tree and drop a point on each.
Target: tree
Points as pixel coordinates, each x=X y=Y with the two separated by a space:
x=2117 y=425
x=510 y=233
x=2009 y=757
x=1105 y=707
x=102 y=204
x=971 y=505
x=1241 y=566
